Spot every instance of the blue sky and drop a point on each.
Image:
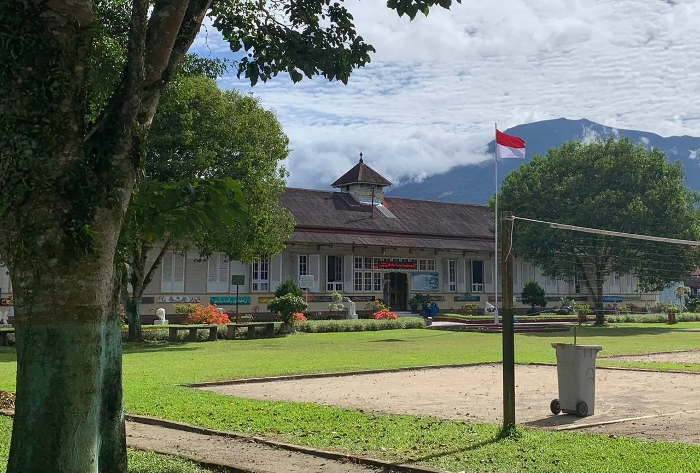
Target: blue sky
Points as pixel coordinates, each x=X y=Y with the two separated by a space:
x=435 y=87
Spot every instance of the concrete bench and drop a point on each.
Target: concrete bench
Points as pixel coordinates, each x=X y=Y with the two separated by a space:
x=192 y=337
x=250 y=327
x=3 y=335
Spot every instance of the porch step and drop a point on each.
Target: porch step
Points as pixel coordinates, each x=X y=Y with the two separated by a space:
x=406 y=314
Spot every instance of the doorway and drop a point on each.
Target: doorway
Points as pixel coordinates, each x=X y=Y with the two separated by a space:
x=397 y=290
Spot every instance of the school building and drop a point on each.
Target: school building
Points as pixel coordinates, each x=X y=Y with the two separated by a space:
x=359 y=242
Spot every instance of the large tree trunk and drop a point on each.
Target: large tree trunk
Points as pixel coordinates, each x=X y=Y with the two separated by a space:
x=69 y=414
x=132 y=307
x=598 y=301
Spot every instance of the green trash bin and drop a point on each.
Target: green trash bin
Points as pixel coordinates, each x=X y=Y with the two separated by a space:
x=576 y=379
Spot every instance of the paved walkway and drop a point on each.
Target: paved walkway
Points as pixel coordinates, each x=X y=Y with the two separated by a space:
x=240 y=454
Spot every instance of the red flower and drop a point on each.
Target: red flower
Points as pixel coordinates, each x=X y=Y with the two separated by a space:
x=209 y=315
x=385 y=314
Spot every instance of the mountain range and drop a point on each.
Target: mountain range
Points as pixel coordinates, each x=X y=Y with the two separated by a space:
x=473 y=183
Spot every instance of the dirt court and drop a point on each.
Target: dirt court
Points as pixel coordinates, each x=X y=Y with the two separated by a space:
x=653 y=405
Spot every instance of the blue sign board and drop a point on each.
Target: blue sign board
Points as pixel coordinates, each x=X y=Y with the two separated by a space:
x=243 y=300
x=425 y=282
x=612 y=299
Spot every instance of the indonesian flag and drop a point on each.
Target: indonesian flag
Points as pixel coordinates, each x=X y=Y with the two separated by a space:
x=509 y=147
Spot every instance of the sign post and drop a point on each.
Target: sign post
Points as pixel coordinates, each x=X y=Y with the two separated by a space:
x=306 y=281
x=238 y=280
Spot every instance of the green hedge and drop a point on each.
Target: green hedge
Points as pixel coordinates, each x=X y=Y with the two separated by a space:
x=359 y=325
x=651 y=318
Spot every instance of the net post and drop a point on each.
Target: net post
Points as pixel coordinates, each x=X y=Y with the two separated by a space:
x=508 y=335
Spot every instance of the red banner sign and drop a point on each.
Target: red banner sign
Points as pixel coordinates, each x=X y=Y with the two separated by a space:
x=394 y=265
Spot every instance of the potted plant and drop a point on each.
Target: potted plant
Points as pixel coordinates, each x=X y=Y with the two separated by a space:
x=470 y=308
x=337 y=304
x=582 y=310
x=672 y=311
x=414 y=303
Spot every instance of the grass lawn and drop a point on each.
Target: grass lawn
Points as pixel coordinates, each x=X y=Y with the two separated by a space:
x=153 y=373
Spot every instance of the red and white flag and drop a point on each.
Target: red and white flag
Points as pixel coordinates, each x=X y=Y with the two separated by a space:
x=509 y=147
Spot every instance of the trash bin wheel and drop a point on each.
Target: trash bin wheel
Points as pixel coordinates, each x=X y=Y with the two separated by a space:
x=581 y=409
x=555 y=407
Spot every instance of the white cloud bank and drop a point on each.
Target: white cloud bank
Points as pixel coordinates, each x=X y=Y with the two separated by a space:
x=436 y=85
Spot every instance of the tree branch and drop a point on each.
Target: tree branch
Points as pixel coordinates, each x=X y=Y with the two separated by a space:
x=149 y=275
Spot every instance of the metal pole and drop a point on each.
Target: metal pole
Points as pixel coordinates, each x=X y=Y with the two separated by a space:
x=238 y=317
x=495 y=225
x=508 y=329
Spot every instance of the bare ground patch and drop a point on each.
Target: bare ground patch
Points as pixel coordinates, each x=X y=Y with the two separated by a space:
x=474 y=394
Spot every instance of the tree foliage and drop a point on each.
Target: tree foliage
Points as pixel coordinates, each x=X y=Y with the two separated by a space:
x=533 y=295
x=81 y=83
x=610 y=185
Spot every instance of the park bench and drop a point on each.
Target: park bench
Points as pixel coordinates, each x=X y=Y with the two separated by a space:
x=3 y=335
x=250 y=327
x=173 y=329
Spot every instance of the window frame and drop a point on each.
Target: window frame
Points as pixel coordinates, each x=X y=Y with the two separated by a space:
x=256 y=283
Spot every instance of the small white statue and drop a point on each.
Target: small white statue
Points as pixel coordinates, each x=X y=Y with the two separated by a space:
x=351 y=308
x=160 y=313
x=3 y=318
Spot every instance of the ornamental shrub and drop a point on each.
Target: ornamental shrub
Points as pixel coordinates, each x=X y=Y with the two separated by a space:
x=298 y=317
x=287 y=305
x=385 y=315
x=208 y=315
x=289 y=286
x=533 y=295
x=376 y=306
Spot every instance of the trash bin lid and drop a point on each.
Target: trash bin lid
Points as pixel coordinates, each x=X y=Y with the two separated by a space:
x=590 y=347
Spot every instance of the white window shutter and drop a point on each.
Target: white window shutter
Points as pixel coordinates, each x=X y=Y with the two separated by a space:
x=212 y=273
x=275 y=272
x=461 y=275
x=295 y=268
x=178 y=272
x=348 y=265
x=224 y=280
x=445 y=275
x=488 y=276
x=167 y=272
x=517 y=276
x=314 y=262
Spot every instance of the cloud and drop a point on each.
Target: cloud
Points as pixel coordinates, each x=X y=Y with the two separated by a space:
x=436 y=86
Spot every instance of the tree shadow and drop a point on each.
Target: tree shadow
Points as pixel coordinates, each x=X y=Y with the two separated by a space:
x=160 y=346
x=605 y=331
x=388 y=340
x=8 y=355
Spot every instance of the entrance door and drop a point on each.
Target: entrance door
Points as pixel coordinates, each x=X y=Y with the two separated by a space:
x=398 y=291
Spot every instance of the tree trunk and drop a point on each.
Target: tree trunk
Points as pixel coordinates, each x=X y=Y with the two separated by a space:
x=132 y=307
x=598 y=303
x=69 y=415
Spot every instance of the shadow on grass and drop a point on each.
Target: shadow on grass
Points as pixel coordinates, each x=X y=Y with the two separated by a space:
x=605 y=331
x=388 y=340
x=146 y=347
x=8 y=355
x=503 y=435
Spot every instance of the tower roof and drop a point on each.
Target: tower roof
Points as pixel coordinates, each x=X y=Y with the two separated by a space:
x=361 y=173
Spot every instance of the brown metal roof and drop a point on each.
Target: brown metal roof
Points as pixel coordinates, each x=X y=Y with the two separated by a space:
x=363 y=174
x=335 y=217
x=391 y=241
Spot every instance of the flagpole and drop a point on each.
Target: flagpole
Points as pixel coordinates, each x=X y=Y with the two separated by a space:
x=495 y=224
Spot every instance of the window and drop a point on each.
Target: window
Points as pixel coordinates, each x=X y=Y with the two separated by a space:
x=477 y=276
x=173 y=272
x=577 y=285
x=303 y=265
x=334 y=273
x=365 y=278
x=217 y=273
x=426 y=264
x=261 y=276
x=452 y=275
x=615 y=283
